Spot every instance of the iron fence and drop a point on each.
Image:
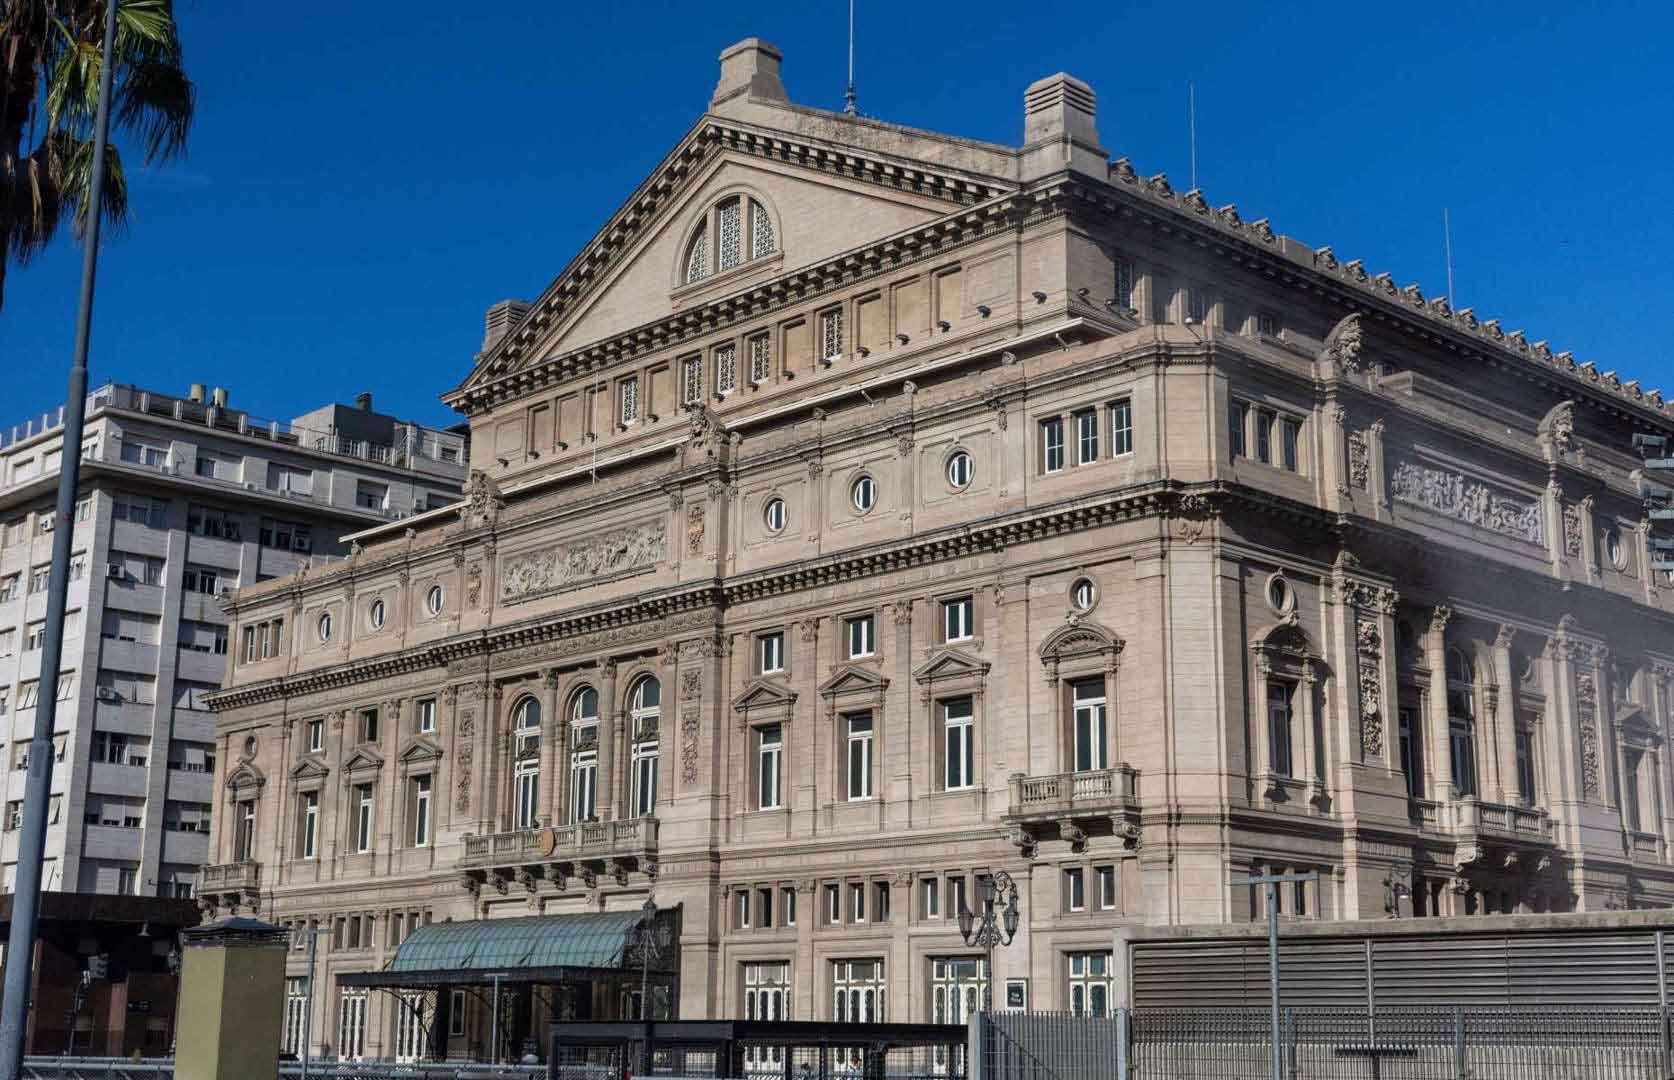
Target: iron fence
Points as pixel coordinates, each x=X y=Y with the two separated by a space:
x=105 y=1068
x=1328 y=1044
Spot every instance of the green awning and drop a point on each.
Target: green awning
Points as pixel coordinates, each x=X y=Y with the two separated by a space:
x=587 y=940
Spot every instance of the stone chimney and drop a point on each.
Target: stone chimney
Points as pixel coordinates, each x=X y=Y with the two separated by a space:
x=750 y=68
x=1060 y=128
x=500 y=320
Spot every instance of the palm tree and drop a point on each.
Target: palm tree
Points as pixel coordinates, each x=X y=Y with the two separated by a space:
x=50 y=65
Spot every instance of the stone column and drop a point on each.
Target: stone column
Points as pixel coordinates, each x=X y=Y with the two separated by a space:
x=1589 y=540
x=804 y=1005
x=1502 y=706
x=1435 y=655
x=610 y=721
x=895 y=758
x=456 y=766
x=495 y=806
x=805 y=729
x=392 y=813
x=1377 y=473
x=552 y=724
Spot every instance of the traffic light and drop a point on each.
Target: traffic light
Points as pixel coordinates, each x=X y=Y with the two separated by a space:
x=98 y=966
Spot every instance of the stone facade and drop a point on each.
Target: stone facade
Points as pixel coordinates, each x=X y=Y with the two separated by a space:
x=910 y=507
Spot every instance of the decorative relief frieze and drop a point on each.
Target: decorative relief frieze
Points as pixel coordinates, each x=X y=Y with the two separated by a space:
x=583 y=562
x=694 y=529
x=1360 y=460
x=1572 y=531
x=1468 y=500
x=691 y=726
x=1586 y=717
x=1369 y=645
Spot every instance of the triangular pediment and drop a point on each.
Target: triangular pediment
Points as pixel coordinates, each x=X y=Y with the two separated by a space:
x=1634 y=724
x=951 y=664
x=420 y=749
x=363 y=758
x=309 y=768
x=853 y=679
x=764 y=694
x=626 y=276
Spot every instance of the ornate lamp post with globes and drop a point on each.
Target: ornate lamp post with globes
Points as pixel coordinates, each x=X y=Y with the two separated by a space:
x=990 y=929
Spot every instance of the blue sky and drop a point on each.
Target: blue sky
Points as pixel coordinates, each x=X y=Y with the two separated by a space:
x=360 y=187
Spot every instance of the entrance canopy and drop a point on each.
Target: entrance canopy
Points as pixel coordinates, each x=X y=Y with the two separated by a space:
x=538 y=949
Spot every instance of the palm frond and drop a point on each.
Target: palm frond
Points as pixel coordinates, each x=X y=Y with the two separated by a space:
x=156 y=102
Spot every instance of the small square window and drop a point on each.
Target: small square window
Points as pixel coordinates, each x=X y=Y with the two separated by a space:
x=1075 y=889
x=770 y=650
x=1106 y=876
x=1290 y=437
x=957 y=621
x=1052 y=444
x=860 y=632
x=1121 y=428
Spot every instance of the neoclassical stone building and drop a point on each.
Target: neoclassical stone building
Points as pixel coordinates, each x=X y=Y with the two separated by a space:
x=866 y=510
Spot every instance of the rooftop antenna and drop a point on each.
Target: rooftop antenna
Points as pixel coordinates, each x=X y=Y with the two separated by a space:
x=1447 y=246
x=1191 y=120
x=848 y=95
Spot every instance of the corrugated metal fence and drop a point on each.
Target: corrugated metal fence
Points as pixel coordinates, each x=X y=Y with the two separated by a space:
x=1454 y=1043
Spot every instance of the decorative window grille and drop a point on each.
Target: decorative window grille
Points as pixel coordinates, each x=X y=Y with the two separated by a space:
x=697 y=258
x=731 y=231
x=630 y=400
x=831 y=334
x=761 y=357
x=761 y=231
x=726 y=369
x=692 y=381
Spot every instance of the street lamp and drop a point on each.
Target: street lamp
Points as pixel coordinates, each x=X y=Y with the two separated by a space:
x=649 y=937
x=988 y=930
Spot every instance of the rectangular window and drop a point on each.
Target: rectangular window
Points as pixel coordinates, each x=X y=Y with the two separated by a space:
x=857 y=901
x=370 y=495
x=1124 y=298
x=831 y=334
x=351 y=1025
x=1089 y=983
x=526 y=784
x=770 y=649
x=1075 y=889
x=1121 y=428
x=39 y=578
x=421 y=811
x=584 y=777
x=880 y=901
x=761 y=358
x=1052 y=444
x=771 y=753
x=1267 y=323
x=1106 y=879
x=1462 y=743
x=857 y=991
x=959 y=753
x=9 y=587
x=743 y=909
x=244 y=839
x=1089 y=723
x=206 y=521
x=1086 y=437
x=201 y=579
x=363 y=818
x=135 y=452
x=691 y=386
x=1238 y=419
x=645 y=761
x=833 y=904
x=957 y=618
x=726 y=368
x=34 y=636
x=627 y=398
x=767 y=990
x=369 y=725
x=787 y=905
x=310 y=823
x=930 y=898
x=1526 y=765
x=1197 y=305
x=296 y=1005
x=1278 y=727
x=859 y=755
x=1290 y=435
x=956 y=895
x=425 y=715
x=1410 y=752
x=1264 y=436
x=860 y=635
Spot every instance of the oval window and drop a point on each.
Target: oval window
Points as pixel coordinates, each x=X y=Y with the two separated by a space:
x=1279 y=594
x=959 y=469
x=774 y=513
x=864 y=494
x=1613 y=549
x=1083 y=594
x=324 y=626
x=433 y=600
x=377 y=614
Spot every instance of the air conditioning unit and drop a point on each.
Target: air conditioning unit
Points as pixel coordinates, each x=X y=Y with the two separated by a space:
x=115 y=570
x=108 y=693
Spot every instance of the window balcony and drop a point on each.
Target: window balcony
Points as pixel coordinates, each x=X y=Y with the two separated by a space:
x=230 y=884
x=561 y=854
x=1467 y=817
x=1074 y=803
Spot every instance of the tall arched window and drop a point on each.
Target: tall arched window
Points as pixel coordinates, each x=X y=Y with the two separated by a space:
x=584 y=754
x=526 y=764
x=735 y=231
x=645 y=710
x=1461 y=719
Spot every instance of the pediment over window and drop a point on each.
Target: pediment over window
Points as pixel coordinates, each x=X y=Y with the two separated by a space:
x=420 y=750
x=309 y=768
x=1288 y=638
x=951 y=664
x=764 y=694
x=1637 y=729
x=364 y=759
x=850 y=679
x=1078 y=640
x=246 y=775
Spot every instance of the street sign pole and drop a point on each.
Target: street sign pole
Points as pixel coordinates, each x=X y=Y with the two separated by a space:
x=1273 y=881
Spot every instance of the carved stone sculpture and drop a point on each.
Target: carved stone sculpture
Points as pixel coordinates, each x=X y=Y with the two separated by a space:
x=1467 y=500
x=580 y=562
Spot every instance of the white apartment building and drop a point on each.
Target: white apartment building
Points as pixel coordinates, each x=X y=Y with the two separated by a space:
x=182 y=500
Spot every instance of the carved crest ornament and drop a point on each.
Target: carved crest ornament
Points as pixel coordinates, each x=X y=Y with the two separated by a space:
x=1344 y=344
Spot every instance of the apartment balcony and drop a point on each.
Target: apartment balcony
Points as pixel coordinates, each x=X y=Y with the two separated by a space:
x=230 y=885
x=561 y=854
x=1075 y=805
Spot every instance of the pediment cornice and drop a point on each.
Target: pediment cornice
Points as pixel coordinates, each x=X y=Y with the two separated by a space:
x=764 y=694
x=853 y=679
x=951 y=664
x=508 y=370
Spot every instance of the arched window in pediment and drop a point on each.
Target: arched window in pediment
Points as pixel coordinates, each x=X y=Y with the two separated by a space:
x=734 y=231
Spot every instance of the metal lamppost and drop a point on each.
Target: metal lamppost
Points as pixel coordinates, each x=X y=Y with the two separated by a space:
x=990 y=930
x=649 y=938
